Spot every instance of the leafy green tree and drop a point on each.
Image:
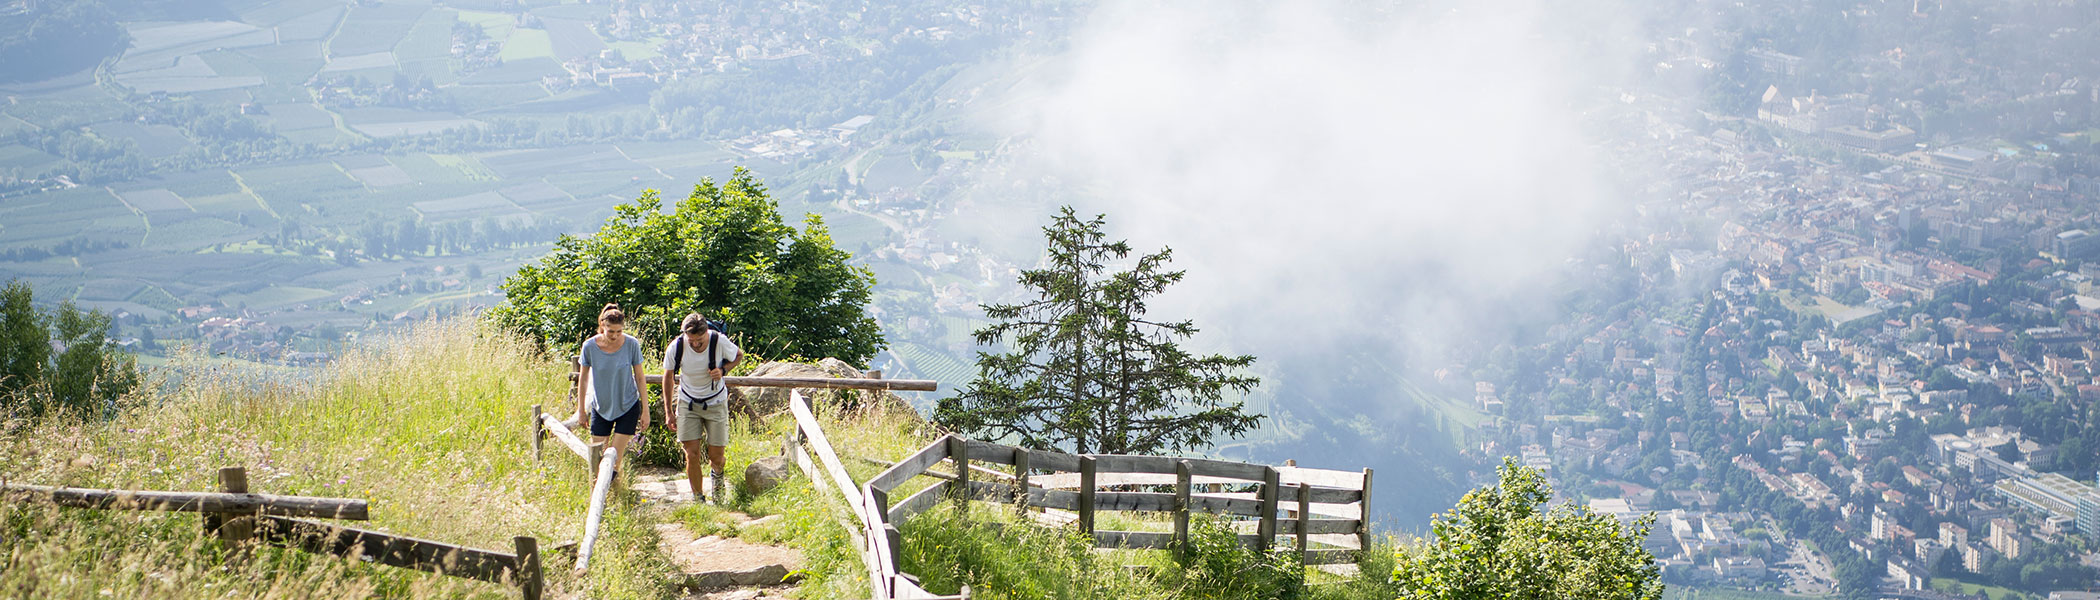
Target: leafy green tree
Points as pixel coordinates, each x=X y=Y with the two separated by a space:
x=723 y=252
x=91 y=373
x=1086 y=369
x=25 y=342
x=1500 y=543
x=85 y=378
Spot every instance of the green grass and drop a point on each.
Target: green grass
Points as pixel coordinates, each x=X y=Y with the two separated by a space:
x=1964 y=587
x=644 y=50
x=528 y=43
x=418 y=425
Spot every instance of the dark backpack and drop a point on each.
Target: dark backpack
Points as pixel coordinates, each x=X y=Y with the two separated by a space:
x=713 y=341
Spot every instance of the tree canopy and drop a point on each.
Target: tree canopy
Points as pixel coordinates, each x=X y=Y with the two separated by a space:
x=84 y=378
x=1087 y=370
x=1500 y=543
x=723 y=252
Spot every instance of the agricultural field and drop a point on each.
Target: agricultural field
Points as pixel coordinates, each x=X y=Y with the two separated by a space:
x=69 y=107
x=312 y=26
x=374 y=28
x=154 y=141
x=573 y=38
x=26 y=159
x=475 y=205
x=50 y=217
x=285 y=118
x=153 y=201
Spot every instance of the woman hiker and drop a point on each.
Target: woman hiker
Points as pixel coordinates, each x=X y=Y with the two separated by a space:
x=612 y=382
x=698 y=359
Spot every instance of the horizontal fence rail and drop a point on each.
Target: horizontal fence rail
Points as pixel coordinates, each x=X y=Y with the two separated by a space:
x=1320 y=511
x=197 y=502
x=236 y=516
x=842 y=383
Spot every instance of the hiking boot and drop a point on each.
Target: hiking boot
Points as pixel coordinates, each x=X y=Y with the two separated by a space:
x=719 y=486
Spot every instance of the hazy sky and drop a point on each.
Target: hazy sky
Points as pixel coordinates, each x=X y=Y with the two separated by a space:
x=1332 y=171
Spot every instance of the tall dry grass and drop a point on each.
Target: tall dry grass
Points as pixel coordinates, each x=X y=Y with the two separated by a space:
x=428 y=425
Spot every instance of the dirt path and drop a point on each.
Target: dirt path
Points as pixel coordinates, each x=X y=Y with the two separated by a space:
x=714 y=567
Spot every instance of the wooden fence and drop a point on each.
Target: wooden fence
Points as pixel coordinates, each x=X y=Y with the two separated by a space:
x=236 y=516
x=1322 y=510
x=873 y=535
x=541 y=425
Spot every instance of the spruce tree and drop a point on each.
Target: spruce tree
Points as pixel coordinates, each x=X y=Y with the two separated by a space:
x=1086 y=370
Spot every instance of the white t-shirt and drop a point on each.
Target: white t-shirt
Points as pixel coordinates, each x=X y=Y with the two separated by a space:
x=693 y=380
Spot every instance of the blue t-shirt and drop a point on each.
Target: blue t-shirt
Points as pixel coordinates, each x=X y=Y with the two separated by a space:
x=612 y=392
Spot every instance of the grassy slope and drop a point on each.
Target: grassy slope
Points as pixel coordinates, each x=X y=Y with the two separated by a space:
x=429 y=426
x=423 y=427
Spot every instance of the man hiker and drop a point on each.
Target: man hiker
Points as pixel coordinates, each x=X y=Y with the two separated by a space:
x=698 y=359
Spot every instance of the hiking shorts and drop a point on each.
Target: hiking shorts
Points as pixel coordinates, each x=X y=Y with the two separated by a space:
x=710 y=423
x=624 y=425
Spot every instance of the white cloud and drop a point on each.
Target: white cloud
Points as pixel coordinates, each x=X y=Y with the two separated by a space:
x=1332 y=170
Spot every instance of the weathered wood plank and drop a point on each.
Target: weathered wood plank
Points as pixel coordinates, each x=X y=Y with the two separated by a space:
x=900 y=385
x=1304 y=516
x=1318 y=526
x=537 y=432
x=1347 y=480
x=1181 y=509
x=1085 y=509
x=352 y=509
x=607 y=467
x=235 y=529
x=1054 y=461
x=990 y=452
x=390 y=550
x=1321 y=495
x=526 y=567
x=1363 y=524
x=1235 y=471
x=813 y=437
x=1270 y=491
x=918 y=503
x=567 y=438
x=1163 y=502
x=911 y=466
x=959 y=451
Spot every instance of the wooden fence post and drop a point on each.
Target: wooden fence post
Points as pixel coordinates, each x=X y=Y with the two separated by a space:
x=529 y=582
x=1021 y=480
x=594 y=451
x=539 y=432
x=1270 y=481
x=234 y=529
x=1304 y=516
x=1086 y=494
x=1182 y=480
x=959 y=451
x=1363 y=524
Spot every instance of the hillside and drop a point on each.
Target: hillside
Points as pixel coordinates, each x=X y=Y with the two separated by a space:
x=424 y=428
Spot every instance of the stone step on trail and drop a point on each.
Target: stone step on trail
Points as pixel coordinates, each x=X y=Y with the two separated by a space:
x=714 y=567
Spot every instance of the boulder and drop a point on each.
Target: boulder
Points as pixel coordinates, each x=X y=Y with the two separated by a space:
x=764 y=474
x=761 y=401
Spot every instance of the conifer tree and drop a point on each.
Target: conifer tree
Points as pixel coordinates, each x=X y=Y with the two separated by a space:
x=1086 y=370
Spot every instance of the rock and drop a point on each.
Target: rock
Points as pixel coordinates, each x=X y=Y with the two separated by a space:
x=764 y=575
x=764 y=474
x=766 y=401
